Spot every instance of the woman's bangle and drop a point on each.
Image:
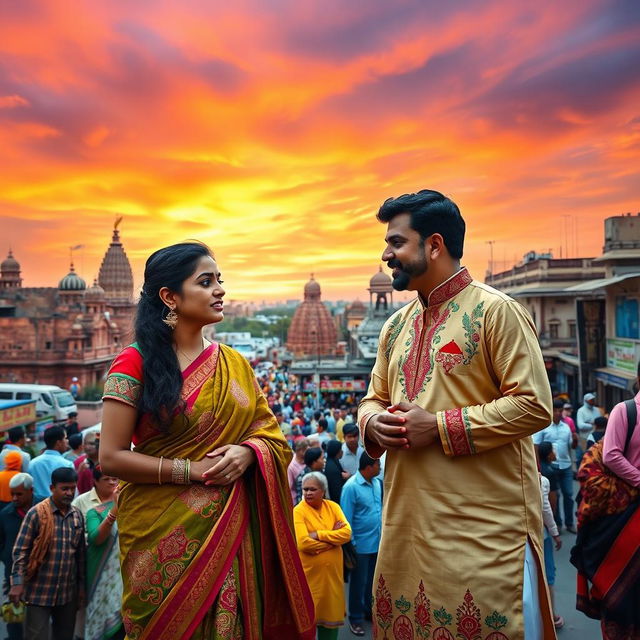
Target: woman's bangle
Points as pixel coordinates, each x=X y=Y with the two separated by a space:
x=111 y=518
x=160 y=469
x=180 y=469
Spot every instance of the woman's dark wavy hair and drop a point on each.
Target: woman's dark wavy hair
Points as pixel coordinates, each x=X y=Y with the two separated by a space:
x=168 y=267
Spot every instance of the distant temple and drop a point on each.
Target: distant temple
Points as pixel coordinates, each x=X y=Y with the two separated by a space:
x=50 y=334
x=312 y=332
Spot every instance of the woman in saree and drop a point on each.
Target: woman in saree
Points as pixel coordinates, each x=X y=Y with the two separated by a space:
x=104 y=583
x=204 y=515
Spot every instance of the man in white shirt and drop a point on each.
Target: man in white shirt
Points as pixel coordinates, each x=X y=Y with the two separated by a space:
x=585 y=416
x=351 y=449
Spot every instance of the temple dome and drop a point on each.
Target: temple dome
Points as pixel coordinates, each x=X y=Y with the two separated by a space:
x=115 y=275
x=381 y=282
x=95 y=293
x=72 y=281
x=312 y=331
x=312 y=290
x=9 y=265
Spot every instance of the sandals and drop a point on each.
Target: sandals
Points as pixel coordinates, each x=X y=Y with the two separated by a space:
x=356 y=629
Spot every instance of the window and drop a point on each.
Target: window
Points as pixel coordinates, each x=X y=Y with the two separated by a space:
x=627 y=318
x=23 y=395
x=5 y=395
x=47 y=344
x=553 y=330
x=572 y=330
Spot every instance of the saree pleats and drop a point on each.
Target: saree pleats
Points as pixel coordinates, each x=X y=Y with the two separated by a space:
x=211 y=562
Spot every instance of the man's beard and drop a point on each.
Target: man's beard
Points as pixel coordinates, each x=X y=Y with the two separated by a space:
x=407 y=272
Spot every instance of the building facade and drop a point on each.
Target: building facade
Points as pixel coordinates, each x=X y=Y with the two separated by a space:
x=48 y=335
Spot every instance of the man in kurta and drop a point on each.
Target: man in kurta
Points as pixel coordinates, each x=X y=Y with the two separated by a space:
x=458 y=386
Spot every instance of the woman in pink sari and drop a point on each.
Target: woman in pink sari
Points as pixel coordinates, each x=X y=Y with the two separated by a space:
x=204 y=516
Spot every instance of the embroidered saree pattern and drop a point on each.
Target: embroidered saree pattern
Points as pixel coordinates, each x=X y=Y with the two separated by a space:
x=211 y=562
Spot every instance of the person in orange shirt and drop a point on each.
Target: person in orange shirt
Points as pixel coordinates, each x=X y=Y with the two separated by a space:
x=13 y=464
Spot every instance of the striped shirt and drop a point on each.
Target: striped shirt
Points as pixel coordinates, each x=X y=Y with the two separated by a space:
x=63 y=570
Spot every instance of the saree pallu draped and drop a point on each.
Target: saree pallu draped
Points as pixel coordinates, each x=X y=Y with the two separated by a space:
x=104 y=582
x=211 y=562
x=607 y=549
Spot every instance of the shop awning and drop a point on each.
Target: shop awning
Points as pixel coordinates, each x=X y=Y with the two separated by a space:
x=616 y=377
x=600 y=283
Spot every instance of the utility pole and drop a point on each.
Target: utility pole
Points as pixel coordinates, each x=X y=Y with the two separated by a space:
x=490 y=243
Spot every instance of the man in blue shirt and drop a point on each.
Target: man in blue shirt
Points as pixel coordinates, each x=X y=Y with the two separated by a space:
x=41 y=467
x=558 y=433
x=361 y=502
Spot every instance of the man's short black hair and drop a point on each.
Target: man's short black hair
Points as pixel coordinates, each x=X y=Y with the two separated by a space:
x=431 y=212
x=323 y=423
x=365 y=461
x=75 y=440
x=558 y=403
x=73 y=414
x=16 y=434
x=53 y=435
x=600 y=423
x=63 y=474
x=350 y=429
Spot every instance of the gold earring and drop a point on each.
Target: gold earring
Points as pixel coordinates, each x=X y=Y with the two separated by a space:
x=171 y=320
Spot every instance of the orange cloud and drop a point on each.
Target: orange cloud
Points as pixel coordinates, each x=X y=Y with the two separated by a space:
x=273 y=131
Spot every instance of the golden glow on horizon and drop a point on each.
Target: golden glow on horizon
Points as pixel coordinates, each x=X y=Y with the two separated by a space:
x=274 y=136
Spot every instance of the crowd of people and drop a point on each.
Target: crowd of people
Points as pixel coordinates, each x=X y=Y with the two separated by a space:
x=335 y=486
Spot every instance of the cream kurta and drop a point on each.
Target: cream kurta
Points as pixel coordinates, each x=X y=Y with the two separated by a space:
x=457 y=514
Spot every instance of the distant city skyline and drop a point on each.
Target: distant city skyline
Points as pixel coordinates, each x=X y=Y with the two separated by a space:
x=274 y=131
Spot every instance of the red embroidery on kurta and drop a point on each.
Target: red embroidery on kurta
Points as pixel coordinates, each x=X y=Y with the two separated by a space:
x=457 y=432
x=422 y=613
x=383 y=608
x=450 y=288
x=469 y=623
x=468 y=616
x=449 y=356
x=418 y=363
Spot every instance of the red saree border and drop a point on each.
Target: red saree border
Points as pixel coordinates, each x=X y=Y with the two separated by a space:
x=199 y=370
x=299 y=595
x=204 y=576
x=248 y=596
x=616 y=561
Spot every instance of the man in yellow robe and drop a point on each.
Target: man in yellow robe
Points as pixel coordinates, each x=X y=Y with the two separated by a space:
x=458 y=386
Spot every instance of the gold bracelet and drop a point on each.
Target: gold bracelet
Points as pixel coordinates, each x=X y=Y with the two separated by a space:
x=160 y=470
x=187 y=471
x=179 y=473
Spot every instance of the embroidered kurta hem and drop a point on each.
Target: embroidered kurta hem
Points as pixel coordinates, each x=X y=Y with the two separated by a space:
x=457 y=514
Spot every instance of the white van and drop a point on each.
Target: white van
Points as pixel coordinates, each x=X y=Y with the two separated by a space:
x=50 y=400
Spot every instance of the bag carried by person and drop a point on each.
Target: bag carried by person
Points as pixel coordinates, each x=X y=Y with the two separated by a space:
x=13 y=613
x=602 y=492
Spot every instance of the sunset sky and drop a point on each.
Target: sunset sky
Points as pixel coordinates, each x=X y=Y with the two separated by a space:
x=273 y=130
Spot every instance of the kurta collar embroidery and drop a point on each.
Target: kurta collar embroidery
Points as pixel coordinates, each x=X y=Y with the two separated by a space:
x=448 y=289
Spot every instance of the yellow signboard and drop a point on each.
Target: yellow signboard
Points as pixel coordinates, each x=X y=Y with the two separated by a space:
x=18 y=415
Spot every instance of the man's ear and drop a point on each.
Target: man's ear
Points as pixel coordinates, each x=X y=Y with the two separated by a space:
x=435 y=245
